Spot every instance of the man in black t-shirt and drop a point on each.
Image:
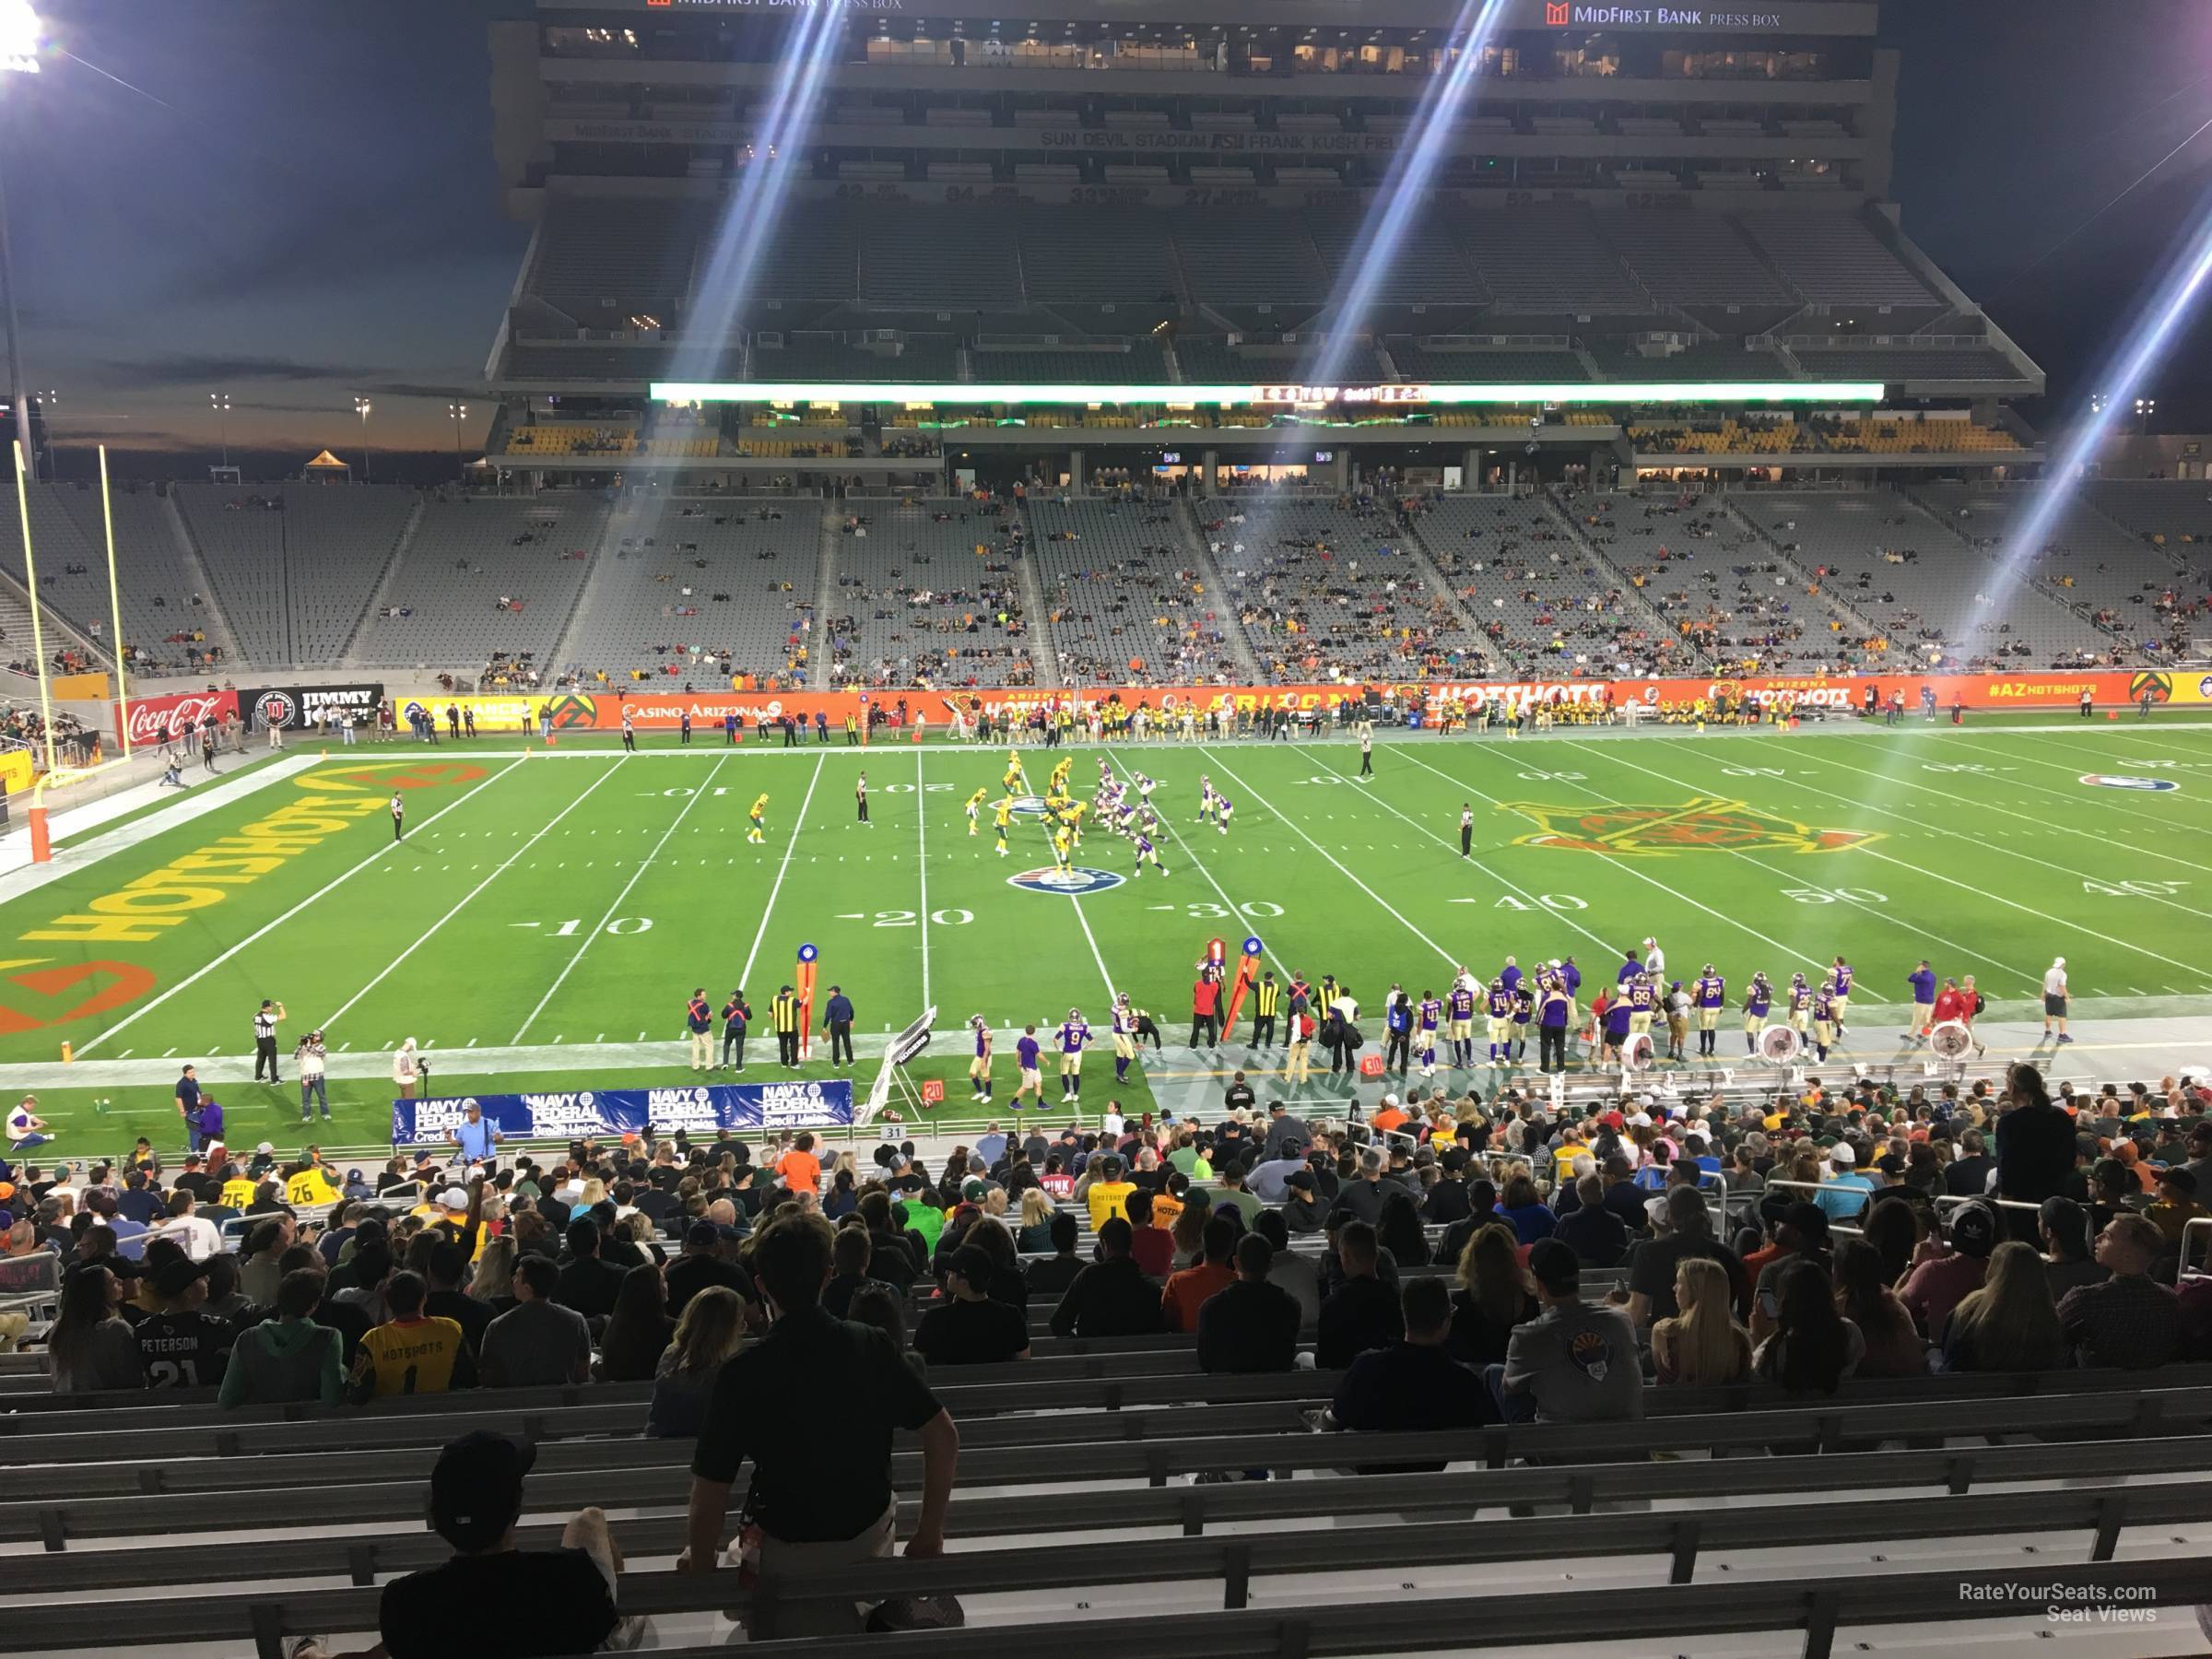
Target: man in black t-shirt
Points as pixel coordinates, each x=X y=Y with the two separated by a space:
x=1652 y=1262
x=549 y=1602
x=971 y=1326
x=700 y=1266
x=183 y=1346
x=818 y=1500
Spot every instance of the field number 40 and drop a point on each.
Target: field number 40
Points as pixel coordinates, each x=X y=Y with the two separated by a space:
x=1835 y=895
x=2134 y=889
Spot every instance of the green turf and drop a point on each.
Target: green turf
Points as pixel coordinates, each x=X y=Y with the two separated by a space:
x=547 y=900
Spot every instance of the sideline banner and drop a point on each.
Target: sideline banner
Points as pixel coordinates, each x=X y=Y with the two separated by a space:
x=603 y=711
x=294 y=708
x=699 y=1109
x=156 y=718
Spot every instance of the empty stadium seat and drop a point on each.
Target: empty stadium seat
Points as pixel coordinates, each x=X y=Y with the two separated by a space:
x=913 y=599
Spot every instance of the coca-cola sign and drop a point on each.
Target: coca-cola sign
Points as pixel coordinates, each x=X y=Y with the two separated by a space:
x=156 y=718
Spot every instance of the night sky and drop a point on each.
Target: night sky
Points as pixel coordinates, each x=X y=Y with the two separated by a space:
x=297 y=204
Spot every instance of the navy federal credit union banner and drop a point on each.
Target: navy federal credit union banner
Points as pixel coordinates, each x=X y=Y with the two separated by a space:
x=698 y=1110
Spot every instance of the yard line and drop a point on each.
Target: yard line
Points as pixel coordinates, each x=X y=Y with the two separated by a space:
x=1535 y=902
x=922 y=858
x=1197 y=864
x=2136 y=848
x=768 y=909
x=268 y=927
x=1789 y=952
x=1095 y=955
x=2033 y=981
x=2009 y=903
x=1446 y=956
x=615 y=909
x=393 y=966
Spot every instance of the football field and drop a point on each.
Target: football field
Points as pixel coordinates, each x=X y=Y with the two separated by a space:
x=550 y=910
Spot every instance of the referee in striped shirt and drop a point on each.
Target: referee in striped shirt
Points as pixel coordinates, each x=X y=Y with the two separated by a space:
x=264 y=1037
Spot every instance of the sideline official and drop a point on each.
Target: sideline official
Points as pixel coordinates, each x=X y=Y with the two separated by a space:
x=264 y=1037
x=735 y=1015
x=838 y=1017
x=783 y=1012
x=699 y=1022
x=1267 y=998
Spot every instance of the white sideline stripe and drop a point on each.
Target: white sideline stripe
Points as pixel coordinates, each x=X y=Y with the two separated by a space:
x=798 y=823
x=268 y=927
x=1443 y=954
x=391 y=967
x=184 y=809
x=612 y=910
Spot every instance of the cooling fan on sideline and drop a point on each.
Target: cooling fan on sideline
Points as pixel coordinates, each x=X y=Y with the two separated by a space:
x=1779 y=1044
x=1636 y=1052
x=1950 y=1040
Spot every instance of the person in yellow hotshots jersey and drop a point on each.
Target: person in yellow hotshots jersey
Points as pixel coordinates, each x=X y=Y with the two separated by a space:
x=409 y=1354
x=758 y=833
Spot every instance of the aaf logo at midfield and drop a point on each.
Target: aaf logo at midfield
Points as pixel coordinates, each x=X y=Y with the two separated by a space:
x=1026 y=806
x=1070 y=882
x=2109 y=780
x=1706 y=824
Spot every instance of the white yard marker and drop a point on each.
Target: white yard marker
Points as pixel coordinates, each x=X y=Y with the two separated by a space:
x=391 y=967
x=615 y=909
x=922 y=858
x=269 y=927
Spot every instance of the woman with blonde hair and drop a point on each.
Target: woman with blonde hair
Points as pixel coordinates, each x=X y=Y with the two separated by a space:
x=494 y=1277
x=710 y=1331
x=1702 y=1345
x=1035 y=1235
x=1189 y=1233
x=2010 y=1324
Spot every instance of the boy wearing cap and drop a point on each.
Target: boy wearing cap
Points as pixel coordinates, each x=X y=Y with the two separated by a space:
x=548 y=1601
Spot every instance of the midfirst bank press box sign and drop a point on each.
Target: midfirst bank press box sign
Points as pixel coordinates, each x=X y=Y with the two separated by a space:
x=699 y=1109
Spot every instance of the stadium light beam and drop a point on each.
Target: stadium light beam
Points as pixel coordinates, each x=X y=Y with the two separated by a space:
x=2147 y=343
x=751 y=217
x=1398 y=202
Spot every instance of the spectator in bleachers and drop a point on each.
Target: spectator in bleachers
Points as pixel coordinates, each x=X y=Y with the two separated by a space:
x=1811 y=1348
x=1250 y=1325
x=1590 y=1230
x=1943 y=1275
x=588 y=1283
x=1190 y=1288
x=1363 y=1312
x=290 y=1358
x=1800 y=1234
x=1687 y=1233
x=1111 y=1296
x=2068 y=1246
x=818 y=1500
x=1294 y=1271
x=700 y=1265
x=91 y=1346
x=1573 y=1363
x=538 y=1341
x=1053 y=1274
x=1495 y=1297
x=710 y=1330
x=411 y=1353
x=639 y=1330
x=1414 y=1383
x=2010 y=1324
x=2130 y=1320
x=549 y=1601
x=971 y=1326
x=1152 y=1245
x=2035 y=1139
x=1400 y=1231
x=1894 y=1347
x=1702 y=1345
x=1108 y=1194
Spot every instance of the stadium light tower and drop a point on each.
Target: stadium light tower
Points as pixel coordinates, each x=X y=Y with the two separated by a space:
x=220 y=402
x=2145 y=408
x=457 y=413
x=361 y=406
x=21 y=34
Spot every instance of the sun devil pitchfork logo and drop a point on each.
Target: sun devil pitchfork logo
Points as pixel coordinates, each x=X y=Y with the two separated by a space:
x=1706 y=824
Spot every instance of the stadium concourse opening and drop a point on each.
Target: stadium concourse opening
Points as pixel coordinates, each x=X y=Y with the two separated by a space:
x=1232 y=826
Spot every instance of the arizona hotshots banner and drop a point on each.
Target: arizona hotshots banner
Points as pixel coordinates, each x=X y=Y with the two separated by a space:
x=699 y=1109
x=759 y=712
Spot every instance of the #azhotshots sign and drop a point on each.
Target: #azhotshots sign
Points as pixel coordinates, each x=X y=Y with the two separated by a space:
x=697 y=1109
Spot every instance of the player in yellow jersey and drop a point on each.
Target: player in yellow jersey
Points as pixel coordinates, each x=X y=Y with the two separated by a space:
x=1001 y=817
x=1014 y=777
x=1059 y=772
x=975 y=808
x=1073 y=816
x=758 y=834
x=1063 y=845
